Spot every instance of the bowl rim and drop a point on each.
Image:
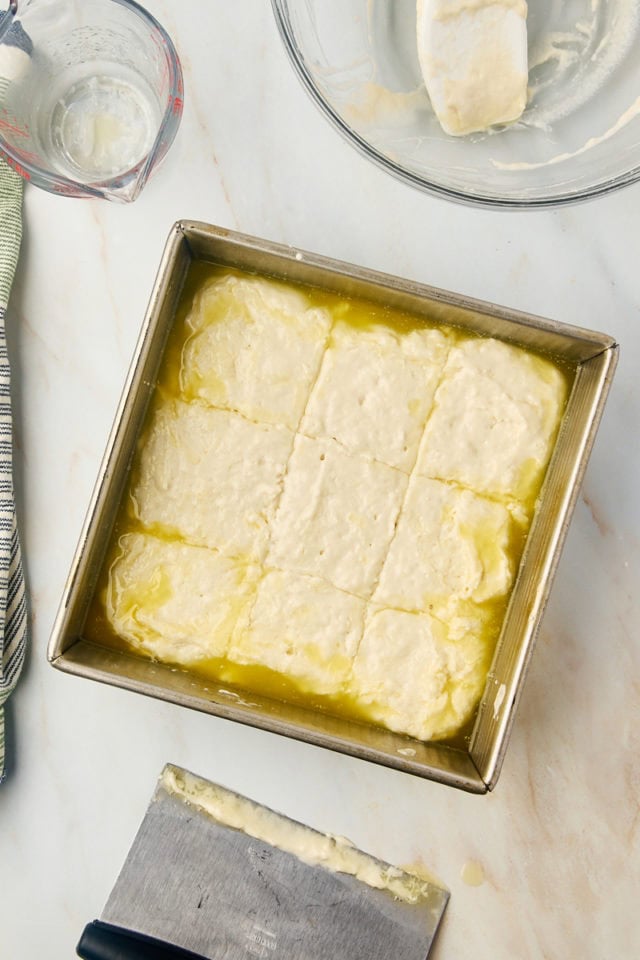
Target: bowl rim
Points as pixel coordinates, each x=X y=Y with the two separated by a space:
x=287 y=35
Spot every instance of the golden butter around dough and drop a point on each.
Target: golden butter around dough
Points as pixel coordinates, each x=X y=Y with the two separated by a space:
x=330 y=502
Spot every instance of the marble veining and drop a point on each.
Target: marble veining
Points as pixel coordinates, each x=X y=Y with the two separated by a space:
x=558 y=842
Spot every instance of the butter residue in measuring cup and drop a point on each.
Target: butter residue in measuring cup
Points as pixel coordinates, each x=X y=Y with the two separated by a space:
x=473 y=57
x=102 y=126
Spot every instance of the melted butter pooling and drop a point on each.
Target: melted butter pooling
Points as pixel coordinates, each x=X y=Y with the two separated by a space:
x=352 y=551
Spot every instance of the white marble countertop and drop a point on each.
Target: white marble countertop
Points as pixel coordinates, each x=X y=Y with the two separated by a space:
x=558 y=842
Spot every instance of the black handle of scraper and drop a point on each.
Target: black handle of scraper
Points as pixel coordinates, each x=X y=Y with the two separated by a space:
x=103 y=941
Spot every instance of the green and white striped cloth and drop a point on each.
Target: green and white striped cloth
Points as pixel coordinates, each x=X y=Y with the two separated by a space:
x=13 y=612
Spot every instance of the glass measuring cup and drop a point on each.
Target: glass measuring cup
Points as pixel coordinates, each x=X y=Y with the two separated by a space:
x=90 y=95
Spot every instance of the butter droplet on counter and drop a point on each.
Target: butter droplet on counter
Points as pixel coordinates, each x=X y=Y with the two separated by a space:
x=472 y=873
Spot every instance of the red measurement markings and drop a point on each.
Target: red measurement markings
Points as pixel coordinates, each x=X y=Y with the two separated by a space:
x=10 y=125
x=18 y=168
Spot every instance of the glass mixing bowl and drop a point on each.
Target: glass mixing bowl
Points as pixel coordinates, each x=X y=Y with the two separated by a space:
x=578 y=137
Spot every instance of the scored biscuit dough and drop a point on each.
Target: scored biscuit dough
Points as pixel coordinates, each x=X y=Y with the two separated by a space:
x=340 y=495
x=336 y=516
x=303 y=628
x=409 y=677
x=176 y=602
x=375 y=389
x=494 y=421
x=211 y=477
x=255 y=347
x=450 y=546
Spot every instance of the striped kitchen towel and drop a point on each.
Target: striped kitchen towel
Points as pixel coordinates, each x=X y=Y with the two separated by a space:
x=13 y=611
x=14 y=53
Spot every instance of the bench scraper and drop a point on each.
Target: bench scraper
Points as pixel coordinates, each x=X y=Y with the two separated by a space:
x=214 y=876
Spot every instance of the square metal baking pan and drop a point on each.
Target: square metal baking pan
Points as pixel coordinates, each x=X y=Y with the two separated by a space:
x=589 y=358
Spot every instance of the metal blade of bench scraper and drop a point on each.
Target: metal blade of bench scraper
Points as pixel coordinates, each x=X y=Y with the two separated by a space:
x=192 y=882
